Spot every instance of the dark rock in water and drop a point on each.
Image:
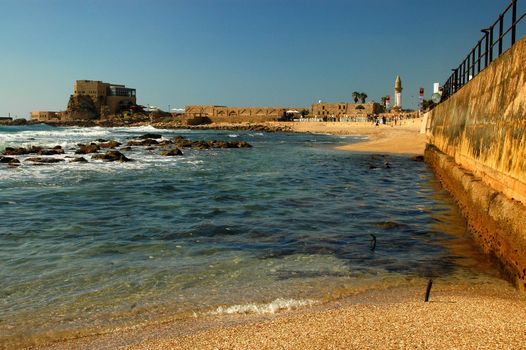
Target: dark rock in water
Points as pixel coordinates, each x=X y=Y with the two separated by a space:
x=86 y=149
x=172 y=152
x=182 y=142
x=185 y=143
x=417 y=158
x=218 y=144
x=150 y=136
x=9 y=161
x=18 y=151
x=166 y=142
x=111 y=156
x=102 y=140
x=79 y=160
x=110 y=144
x=50 y=152
x=147 y=142
x=387 y=225
x=41 y=160
x=127 y=148
x=201 y=145
x=243 y=144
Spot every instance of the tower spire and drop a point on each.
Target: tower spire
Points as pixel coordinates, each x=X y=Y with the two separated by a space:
x=398 y=92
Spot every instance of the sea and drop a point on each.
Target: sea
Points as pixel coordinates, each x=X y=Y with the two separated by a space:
x=289 y=223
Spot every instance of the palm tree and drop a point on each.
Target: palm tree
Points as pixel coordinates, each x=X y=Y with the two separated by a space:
x=355 y=96
x=363 y=97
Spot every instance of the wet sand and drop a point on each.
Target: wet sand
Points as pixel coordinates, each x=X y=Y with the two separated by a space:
x=479 y=316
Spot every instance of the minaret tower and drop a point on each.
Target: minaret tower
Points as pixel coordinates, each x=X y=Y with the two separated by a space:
x=398 y=92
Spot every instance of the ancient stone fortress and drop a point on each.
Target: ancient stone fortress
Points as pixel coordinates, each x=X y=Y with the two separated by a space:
x=91 y=100
x=228 y=114
x=108 y=98
x=336 y=111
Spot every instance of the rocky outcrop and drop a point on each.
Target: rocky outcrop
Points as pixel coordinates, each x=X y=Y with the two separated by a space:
x=19 y=151
x=185 y=143
x=43 y=160
x=111 y=156
x=87 y=149
x=81 y=107
x=150 y=136
x=172 y=152
x=79 y=160
x=9 y=161
x=147 y=142
x=50 y=152
x=109 y=144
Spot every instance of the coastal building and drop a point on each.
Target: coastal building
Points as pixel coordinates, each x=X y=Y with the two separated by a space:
x=336 y=111
x=91 y=99
x=238 y=114
x=398 y=92
x=47 y=116
x=108 y=98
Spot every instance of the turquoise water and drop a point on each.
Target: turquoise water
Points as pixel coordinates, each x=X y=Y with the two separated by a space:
x=88 y=247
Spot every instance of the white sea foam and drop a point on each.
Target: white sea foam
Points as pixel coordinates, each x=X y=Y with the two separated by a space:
x=233 y=135
x=270 y=308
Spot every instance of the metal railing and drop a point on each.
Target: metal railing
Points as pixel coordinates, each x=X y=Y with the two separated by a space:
x=488 y=48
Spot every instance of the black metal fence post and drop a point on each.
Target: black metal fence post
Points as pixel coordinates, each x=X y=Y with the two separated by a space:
x=486 y=40
x=501 y=31
x=513 y=20
x=480 y=55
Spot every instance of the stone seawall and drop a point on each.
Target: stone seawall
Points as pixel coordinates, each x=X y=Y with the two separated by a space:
x=496 y=221
x=483 y=125
x=478 y=148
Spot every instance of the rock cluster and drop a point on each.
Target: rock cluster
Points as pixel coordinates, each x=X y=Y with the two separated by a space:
x=182 y=142
x=9 y=161
x=111 y=156
x=167 y=147
x=41 y=151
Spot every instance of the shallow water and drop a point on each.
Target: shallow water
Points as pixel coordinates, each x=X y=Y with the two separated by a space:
x=289 y=222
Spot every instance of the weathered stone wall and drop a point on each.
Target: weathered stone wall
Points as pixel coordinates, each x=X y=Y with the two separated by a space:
x=478 y=150
x=345 y=109
x=483 y=125
x=227 y=114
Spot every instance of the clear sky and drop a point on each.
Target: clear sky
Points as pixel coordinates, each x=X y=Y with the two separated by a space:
x=232 y=52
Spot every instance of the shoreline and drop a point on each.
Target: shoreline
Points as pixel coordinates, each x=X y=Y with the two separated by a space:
x=404 y=138
x=461 y=316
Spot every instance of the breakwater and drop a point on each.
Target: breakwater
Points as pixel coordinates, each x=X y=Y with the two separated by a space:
x=478 y=148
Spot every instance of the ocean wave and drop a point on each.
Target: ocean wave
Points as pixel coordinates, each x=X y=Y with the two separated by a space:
x=269 y=308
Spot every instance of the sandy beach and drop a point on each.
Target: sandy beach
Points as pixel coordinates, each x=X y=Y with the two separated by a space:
x=474 y=316
x=403 y=138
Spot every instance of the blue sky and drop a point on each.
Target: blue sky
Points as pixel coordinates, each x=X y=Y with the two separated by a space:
x=232 y=52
